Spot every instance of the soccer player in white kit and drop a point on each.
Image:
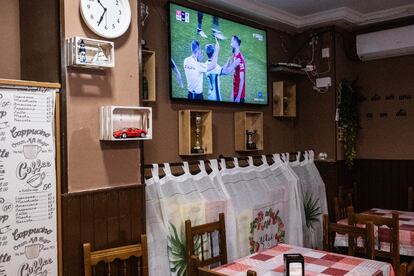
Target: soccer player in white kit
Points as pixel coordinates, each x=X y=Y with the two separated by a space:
x=194 y=70
x=213 y=76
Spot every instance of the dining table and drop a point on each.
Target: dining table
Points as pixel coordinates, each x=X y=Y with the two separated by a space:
x=270 y=262
x=406 y=231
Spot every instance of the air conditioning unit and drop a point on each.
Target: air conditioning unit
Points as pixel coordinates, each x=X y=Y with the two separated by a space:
x=385 y=44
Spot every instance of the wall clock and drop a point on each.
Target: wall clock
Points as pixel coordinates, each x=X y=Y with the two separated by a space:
x=106 y=18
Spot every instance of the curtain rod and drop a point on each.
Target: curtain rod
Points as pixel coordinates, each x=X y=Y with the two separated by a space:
x=196 y=162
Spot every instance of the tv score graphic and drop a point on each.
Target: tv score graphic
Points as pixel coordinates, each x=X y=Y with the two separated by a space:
x=182 y=16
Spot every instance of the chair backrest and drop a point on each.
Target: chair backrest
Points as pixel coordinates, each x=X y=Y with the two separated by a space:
x=200 y=244
x=344 y=192
x=410 y=198
x=406 y=269
x=340 y=207
x=123 y=253
x=366 y=233
x=389 y=234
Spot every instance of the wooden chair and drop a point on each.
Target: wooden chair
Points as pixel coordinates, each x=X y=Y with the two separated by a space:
x=410 y=198
x=353 y=232
x=344 y=193
x=207 y=272
x=393 y=256
x=407 y=269
x=195 y=236
x=123 y=253
x=340 y=207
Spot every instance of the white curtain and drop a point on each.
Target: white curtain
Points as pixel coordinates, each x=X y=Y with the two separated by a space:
x=179 y=200
x=314 y=199
x=283 y=175
x=156 y=232
x=263 y=205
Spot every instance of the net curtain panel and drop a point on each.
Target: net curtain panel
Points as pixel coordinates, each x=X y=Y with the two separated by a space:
x=264 y=205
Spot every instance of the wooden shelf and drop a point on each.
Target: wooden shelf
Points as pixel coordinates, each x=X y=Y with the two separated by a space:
x=148 y=68
x=97 y=54
x=284 y=99
x=187 y=132
x=124 y=123
x=244 y=121
x=287 y=70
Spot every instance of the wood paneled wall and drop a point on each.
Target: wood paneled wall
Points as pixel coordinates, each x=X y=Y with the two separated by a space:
x=380 y=183
x=39 y=40
x=383 y=183
x=105 y=218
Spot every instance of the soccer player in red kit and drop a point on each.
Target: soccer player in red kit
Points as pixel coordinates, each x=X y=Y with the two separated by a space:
x=238 y=67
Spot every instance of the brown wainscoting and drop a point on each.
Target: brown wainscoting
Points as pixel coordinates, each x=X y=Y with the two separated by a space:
x=329 y=174
x=106 y=218
x=383 y=183
x=380 y=183
x=334 y=174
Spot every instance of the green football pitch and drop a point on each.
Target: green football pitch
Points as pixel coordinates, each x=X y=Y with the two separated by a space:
x=253 y=50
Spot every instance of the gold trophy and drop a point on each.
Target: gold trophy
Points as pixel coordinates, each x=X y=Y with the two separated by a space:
x=197 y=145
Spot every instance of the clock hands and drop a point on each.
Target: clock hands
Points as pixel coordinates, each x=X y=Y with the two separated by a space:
x=101 y=4
x=102 y=16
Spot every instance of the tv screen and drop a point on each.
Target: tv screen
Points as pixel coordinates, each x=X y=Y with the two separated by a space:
x=216 y=59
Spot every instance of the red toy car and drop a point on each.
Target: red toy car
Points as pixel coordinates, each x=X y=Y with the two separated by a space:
x=130 y=132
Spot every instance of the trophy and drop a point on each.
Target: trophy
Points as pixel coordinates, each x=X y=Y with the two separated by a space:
x=197 y=145
x=251 y=133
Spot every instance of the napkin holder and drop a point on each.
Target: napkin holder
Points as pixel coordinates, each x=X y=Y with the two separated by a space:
x=294 y=264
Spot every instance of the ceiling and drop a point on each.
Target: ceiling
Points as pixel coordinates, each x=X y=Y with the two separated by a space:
x=307 y=7
x=299 y=14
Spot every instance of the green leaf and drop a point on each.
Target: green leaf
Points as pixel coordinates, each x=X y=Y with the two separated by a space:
x=312 y=210
x=349 y=118
x=177 y=252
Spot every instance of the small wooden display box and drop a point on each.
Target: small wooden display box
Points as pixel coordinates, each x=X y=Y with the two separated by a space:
x=245 y=121
x=187 y=128
x=125 y=123
x=148 y=67
x=90 y=53
x=284 y=99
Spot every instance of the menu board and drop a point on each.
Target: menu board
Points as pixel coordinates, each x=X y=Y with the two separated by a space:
x=28 y=222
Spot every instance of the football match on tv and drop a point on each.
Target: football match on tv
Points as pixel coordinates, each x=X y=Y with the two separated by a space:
x=215 y=59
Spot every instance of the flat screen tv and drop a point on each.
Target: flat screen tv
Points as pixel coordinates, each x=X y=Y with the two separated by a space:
x=216 y=59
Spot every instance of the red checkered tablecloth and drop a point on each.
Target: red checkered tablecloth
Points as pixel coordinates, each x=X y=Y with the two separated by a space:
x=270 y=263
x=406 y=232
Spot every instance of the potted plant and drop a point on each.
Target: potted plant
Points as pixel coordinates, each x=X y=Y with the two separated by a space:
x=349 y=119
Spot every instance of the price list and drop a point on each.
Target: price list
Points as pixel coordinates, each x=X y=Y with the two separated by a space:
x=28 y=238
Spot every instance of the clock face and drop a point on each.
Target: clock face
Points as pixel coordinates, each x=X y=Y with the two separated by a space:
x=107 y=18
